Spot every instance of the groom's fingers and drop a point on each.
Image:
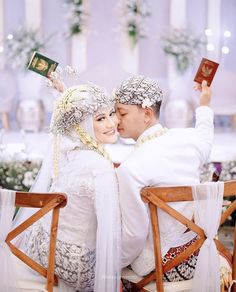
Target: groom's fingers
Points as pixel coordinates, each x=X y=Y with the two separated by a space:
x=205 y=96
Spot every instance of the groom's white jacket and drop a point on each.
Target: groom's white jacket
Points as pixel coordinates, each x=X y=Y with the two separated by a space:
x=173 y=158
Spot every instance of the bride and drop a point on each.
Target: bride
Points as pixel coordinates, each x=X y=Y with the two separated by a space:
x=88 y=242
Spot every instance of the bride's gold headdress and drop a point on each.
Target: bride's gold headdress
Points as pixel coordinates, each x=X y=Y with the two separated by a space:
x=75 y=104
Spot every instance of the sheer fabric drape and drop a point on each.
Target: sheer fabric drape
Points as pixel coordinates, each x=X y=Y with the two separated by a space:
x=208 y=205
x=40 y=185
x=8 y=282
x=107 y=274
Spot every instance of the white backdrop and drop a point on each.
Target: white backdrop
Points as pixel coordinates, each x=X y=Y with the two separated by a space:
x=102 y=50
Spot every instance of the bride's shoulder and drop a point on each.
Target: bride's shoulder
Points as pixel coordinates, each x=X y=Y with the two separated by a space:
x=90 y=159
x=100 y=161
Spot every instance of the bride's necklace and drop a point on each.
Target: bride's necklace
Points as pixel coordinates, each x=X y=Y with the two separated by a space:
x=143 y=140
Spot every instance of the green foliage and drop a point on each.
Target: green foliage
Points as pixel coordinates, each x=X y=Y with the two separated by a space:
x=134 y=17
x=76 y=16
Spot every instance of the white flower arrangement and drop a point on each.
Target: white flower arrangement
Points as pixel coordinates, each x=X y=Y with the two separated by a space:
x=18 y=175
x=184 y=45
x=76 y=16
x=134 y=16
x=207 y=171
x=228 y=171
x=20 y=46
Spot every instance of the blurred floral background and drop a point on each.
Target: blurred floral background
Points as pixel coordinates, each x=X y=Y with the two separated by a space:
x=185 y=46
x=18 y=175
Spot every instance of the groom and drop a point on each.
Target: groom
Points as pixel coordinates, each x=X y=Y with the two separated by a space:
x=161 y=157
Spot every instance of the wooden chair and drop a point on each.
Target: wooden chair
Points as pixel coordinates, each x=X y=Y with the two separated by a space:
x=158 y=197
x=46 y=202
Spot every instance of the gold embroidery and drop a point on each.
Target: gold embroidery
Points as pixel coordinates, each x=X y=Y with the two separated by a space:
x=42 y=65
x=34 y=62
x=206 y=71
x=150 y=137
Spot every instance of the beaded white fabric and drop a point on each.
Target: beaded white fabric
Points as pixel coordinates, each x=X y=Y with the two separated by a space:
x=139 y=90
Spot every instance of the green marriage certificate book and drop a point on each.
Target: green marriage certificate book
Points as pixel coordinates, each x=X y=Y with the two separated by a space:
x=42 y=64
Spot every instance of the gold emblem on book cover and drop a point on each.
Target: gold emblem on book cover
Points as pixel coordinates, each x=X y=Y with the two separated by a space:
x=206 y=71
x=40 y=64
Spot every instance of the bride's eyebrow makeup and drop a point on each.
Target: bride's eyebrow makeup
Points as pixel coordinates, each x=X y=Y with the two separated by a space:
x=98 y=115
x=112 y=110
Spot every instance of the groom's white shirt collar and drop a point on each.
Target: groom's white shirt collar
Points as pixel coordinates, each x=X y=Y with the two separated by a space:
x=150 y=131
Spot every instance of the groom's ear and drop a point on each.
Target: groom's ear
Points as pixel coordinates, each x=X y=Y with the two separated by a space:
x=148 y=114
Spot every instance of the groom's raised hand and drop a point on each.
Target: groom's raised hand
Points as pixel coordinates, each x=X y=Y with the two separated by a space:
x=205 y=96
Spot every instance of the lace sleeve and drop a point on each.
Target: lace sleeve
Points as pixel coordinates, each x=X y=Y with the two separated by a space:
x=79 y=184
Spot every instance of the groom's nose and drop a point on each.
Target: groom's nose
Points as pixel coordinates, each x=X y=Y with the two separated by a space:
x=118 y=119
x=118 y=116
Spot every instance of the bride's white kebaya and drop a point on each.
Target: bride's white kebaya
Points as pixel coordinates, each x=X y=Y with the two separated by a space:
x=88 y=253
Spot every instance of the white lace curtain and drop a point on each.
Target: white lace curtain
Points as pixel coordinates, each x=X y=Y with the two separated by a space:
x=208 y=205
x=8 y=281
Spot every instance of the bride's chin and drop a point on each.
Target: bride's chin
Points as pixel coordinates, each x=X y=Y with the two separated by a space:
x=111 y=140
